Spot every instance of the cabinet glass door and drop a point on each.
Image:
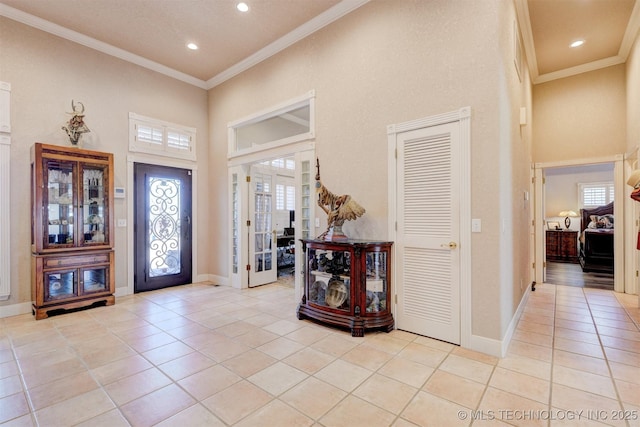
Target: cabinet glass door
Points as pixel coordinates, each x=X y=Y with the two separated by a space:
x=329 y=278
x=376 y=277
x=60 y=285
x=95 y=279
x=94 y=214
x=59 y=199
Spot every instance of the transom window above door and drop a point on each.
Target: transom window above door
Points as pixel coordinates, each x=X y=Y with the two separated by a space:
x=286 y=123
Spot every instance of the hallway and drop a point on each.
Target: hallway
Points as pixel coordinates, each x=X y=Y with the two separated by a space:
x=209 y=355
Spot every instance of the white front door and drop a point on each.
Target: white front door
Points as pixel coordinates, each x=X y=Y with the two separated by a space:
x=262 y=235
x=428 y=231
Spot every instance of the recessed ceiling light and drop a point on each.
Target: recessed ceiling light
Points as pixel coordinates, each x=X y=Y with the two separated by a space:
x=242 y=7
x=192 y=46
x=577 y=43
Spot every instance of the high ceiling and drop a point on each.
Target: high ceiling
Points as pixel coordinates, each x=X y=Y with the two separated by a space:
x=154 y=33
x=548 y=27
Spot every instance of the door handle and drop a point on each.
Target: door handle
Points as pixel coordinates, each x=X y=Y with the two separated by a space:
x=450 y=245
x=187 y=230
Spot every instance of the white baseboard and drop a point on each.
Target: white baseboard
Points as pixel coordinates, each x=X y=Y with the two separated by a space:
x=506 y=340
x=15 y=309
x=218 y=280
x=495 y=347
x=486 y=345
x=122 y=291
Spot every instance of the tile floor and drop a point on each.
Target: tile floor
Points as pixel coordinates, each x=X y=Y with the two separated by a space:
x=204 y=355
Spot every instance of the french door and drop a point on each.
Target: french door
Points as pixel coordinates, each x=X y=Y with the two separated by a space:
x=262 y=234
x=162 y=231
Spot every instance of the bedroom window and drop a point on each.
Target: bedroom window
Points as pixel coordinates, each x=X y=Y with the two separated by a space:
x=595 y=194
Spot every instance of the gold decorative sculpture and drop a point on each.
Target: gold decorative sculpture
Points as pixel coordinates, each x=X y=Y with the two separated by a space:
x=338 y=209
x=76 y=127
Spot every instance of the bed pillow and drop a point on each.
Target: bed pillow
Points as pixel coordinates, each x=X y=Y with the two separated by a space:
x=602 y=221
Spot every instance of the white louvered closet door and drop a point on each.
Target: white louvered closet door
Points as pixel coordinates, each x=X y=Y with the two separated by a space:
x=428 y=277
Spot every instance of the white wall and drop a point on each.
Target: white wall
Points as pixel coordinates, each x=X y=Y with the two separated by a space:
x=46 y=73
x=390 y=62
x=632 y=96
x=580 y=117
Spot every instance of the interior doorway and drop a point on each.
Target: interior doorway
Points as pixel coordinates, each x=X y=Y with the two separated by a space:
x=573 y=245
x=271 y=223
x=288 y=174
x=579 y=250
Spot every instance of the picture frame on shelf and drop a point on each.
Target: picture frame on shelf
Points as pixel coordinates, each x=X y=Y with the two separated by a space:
x=553 y=225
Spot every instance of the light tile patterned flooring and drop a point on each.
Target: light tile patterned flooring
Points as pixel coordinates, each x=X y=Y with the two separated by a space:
x=201 y=355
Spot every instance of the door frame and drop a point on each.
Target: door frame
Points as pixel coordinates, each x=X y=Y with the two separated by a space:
x=463 y=117
x=632 y=211
x=619 y=257
x=143 y=281
x=240 y=165
x=129 y=195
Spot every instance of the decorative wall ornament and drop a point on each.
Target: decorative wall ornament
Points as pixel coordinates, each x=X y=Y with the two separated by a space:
x=76 y=126
x=338 y=209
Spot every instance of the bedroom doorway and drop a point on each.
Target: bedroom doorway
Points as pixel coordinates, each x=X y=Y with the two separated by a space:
x=571 y=249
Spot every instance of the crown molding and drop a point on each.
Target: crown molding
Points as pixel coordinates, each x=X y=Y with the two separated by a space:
x=524 y=22
x=584 y=68
x=65 y=33
x=310 y=27
x=630 y=35
x=631 y=32
x=320 y=21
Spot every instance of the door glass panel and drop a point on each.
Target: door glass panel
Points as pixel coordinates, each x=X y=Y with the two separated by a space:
x=59 y=203
x=59 y=285
x=235 y=223
x=93 y=206
x=306 y=199
x=94 y=280
x=164 y=226
x=263 y=222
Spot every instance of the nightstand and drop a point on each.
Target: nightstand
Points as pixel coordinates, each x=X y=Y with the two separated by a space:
x=562 y=245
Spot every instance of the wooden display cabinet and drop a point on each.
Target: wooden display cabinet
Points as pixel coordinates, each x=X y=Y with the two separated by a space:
x=72 y=262
x=348 y=284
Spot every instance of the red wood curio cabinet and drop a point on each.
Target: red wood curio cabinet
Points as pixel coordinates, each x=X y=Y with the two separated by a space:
x=348 y=284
